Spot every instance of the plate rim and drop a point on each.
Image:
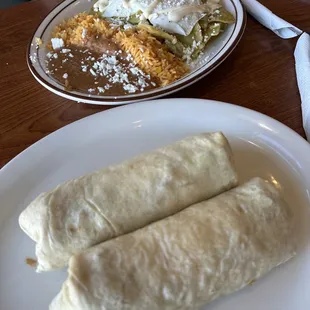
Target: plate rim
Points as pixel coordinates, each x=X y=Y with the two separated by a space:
x=278 y=130
x=272 y=123
x=123 y=99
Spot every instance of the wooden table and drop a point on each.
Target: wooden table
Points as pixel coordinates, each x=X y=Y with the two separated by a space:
x=259 y=75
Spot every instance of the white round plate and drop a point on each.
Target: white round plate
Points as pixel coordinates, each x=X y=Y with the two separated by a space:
x=262 y=147
x=215 y=53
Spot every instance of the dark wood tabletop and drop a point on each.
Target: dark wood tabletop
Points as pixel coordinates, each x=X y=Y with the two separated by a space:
x=259 y=75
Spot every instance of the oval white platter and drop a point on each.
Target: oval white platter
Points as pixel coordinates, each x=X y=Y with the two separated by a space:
x=262 y=147
x=214 y=54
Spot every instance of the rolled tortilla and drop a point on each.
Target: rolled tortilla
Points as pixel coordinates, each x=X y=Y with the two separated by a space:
x=210 y=249
x=119 y=199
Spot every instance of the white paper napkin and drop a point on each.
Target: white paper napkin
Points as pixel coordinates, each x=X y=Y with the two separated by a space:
x=302 y=52
x=302 y=61
x=273 y=22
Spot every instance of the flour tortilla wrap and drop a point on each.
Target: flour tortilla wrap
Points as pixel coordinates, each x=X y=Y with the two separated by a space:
x=210 y=249
x=119 y=199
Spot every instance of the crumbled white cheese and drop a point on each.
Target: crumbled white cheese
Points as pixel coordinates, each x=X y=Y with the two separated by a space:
x=111 y=66
x=92 y=72
x=136 y=71
x=130 y=88
x=142 y=82
x=128 y=26
x=84 y=68
x=84 y=33
x=112 y=60
x=65 y=50
x=57 y=43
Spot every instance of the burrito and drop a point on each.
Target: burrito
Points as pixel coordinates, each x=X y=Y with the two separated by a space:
x=122 y=198
x=208 y=250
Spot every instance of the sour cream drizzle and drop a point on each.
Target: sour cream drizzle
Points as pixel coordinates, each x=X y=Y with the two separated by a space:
x=177 y=13
x=174 y=14
x=128 y=4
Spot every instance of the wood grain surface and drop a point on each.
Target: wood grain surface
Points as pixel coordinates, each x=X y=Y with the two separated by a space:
x=259 y=75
